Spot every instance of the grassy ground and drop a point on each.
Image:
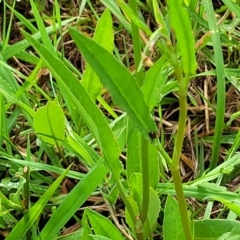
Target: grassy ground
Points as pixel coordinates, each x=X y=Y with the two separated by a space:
x=38 y=144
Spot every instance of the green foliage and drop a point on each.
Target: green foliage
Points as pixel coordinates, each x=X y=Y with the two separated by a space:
x=100 y=121
x=49 y=124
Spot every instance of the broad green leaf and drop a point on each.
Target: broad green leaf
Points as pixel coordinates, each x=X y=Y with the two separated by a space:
x=118 y=80
x=80 y=149
x=31 y=216
x=102 y=226
x=154 y=83
x=104 y=37
x=183 y=30
x=133 y=150
x=134 y=156
x=154 y=210
x=135 y=184
x=73 y=201
x=49 y=123
x=213 y=229
x=129 y=221
x=93 y=117
x=233 y=235
x=172 y=224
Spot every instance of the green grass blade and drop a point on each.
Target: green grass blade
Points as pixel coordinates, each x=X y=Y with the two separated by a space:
x=24 y=20
x=73 y=201
x=30 y=217
x=215 y=35
x=44 y=35
x=233 y=7
x=183 y=30
x=14 y=50
x=128 y=95
x=112 y=5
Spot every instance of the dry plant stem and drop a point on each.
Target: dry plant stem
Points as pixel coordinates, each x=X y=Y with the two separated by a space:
x=176 y=157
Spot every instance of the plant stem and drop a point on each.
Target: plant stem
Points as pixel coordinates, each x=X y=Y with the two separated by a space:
x=176 y=157
x=182 y=203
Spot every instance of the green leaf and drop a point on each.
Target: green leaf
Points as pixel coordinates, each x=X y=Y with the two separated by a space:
x=118 y=80
x=104 y=37
x=31 y=216
x=102 y=226
x=213 y=229
x=44 y=34
x=133 y=150
x=172 y=224
x=73 y=201
x=134 y=156
x=233 y=235
x=49 y=123
x=153 y=211
x=79 y=147
x=135 y=185
x=184 y=34
x=112 y=5
x=73 y=90
x=154 y=83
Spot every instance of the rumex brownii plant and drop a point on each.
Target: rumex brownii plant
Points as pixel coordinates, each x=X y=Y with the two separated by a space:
x=68 y=122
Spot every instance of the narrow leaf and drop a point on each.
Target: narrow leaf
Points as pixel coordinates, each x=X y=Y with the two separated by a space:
x=73 y=201
x=104 y=37
x=30 y=217
x=184 y=34
x=102 y=226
